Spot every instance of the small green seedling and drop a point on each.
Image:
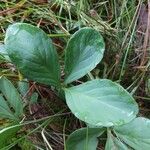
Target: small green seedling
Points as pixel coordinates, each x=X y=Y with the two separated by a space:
x=102 y=104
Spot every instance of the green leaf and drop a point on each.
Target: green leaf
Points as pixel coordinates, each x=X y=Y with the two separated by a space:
x=84 y=51
x=7 y=133
x=84 y=139
x=101 y=103
x=2 y=58
x=23 y=87
x=13 y=100
x=114 y=143
x=136 y=133
x=34 y=98
x=32 y=51
x=3 y=54
x=5 y=111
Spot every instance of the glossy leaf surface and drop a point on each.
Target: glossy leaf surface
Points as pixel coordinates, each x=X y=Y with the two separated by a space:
x=11 y=100
x=101 y=103
x=84 y=51
x=84 y=138
x=136 y=133
x=32 y=51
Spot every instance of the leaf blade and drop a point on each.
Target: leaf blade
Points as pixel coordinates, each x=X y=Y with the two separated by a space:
x=5 y=111
x=84 y=138
x=136 y=133
x=84 y=51
x=101 y=103
x=114 y=143
x=12 y=96
x=7 y=133
x=32 y=51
